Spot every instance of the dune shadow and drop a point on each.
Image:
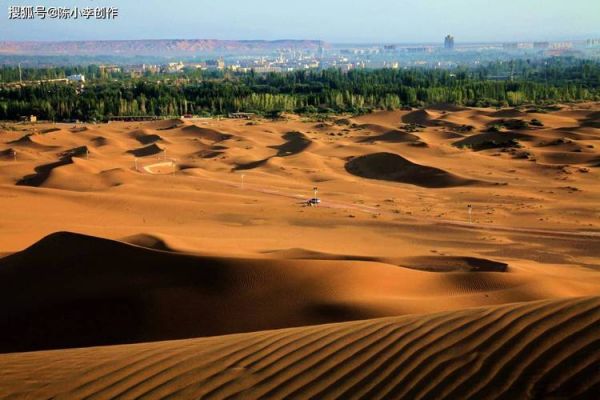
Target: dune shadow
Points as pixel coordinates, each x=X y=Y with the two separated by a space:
x=42 y=172
x=592 y=120
x=392 y=167
x=394 y=136
x=295 y=143
x=146 y=151
x=454 y=264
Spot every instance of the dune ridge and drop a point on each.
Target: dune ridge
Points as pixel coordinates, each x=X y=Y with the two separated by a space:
x=544 y=349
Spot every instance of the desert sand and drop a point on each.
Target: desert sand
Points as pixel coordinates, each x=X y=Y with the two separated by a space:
x=187 y=249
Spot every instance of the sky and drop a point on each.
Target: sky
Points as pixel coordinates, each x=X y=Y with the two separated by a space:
x=335 y=21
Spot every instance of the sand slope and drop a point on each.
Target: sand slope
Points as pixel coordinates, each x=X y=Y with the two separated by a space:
x=545 y=349
x=109 y=292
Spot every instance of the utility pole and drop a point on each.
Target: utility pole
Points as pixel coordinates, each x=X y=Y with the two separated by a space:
x=20 y=74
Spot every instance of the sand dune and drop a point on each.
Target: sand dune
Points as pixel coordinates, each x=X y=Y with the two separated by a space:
x=509 y=113
x=542 y=349
x=392 y=167
x=205 y=133
x=146 y=136
x=166 y=124
x=420 y=117
x=454 y=264
x=32 y=141
x=8 y=153
x=215 y=237
x=592 y=120
x=82 y=177
x=489 y=140
x=295 y=143
x=112 y=292
x=423 y=263
x=100 y=141
x=42 y=172
x=394 y=136
x=150 y=150
x=567 y=158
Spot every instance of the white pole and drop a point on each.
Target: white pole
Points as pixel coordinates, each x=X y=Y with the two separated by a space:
x=470 y=214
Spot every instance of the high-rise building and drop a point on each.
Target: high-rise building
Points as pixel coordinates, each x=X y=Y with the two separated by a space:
x=593 y=43
x=449 y=42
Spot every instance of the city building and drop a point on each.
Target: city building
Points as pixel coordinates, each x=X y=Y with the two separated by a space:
x=593 y=43
x=510 y=46
x=413 y=50
x=175 y=67
x=109 y=69
x=449 y=42
x=215 y=64
x=561 y=45
x=76 y=78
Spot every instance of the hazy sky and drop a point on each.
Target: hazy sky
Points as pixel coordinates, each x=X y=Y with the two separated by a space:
x=331 y=20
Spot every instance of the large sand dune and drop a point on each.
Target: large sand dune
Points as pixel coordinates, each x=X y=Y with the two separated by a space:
x=545 y=349
x=109 y=292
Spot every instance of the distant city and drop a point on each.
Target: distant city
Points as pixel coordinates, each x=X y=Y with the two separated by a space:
x=139 y=58
x=447 y=54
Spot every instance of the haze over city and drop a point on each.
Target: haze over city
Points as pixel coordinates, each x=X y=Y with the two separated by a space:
x=404 y=21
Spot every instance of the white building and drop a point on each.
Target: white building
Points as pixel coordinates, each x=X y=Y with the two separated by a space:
x=76 y=78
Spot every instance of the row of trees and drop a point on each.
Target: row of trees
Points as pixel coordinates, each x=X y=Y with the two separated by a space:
x=358 y=91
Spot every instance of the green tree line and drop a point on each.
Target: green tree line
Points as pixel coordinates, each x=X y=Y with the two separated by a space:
x=327 y=91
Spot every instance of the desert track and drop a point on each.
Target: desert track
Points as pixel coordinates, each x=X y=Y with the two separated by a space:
x=376 y=211
x=546 y=349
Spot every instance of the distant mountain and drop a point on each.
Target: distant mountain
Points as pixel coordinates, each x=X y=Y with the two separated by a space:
x=152 y=47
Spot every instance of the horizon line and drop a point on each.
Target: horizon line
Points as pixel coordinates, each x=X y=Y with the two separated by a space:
x=370 y=42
